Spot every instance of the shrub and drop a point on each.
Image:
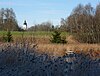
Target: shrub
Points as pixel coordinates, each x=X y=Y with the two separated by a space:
x=88 y=37
x=56 y=38
x=8 y=37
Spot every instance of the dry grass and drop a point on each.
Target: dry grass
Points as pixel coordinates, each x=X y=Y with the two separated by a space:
x=35 y=39
x=60 y=49
x=44 y=46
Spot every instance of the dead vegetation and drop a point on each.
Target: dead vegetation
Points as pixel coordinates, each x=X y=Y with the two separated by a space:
x=45 y=46
x=60 y=49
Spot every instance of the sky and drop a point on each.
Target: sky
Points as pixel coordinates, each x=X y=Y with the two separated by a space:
x=38 y=11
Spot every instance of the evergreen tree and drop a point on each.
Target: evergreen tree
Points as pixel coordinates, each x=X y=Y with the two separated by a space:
x=8 y=37
x=56 y=38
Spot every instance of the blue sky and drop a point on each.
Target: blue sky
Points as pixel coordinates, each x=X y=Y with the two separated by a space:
x=38 y=11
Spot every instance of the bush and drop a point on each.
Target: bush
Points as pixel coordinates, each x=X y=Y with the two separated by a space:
x=8 y=37
x=56 y=38
x=88 y=37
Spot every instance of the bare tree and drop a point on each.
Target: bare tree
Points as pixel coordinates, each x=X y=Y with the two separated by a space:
x=63 y=26
x=8 y=19
x=82 y=23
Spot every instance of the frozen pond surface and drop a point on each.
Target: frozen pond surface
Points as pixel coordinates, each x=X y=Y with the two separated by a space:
x=17 y=62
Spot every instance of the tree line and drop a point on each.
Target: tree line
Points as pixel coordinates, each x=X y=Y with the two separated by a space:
x=45 y=26
x=84 y=23
x=82 y=16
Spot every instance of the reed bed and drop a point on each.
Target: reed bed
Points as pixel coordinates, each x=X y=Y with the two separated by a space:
x=60 y=49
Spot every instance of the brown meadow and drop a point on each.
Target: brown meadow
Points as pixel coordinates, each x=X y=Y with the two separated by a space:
x=45 y=46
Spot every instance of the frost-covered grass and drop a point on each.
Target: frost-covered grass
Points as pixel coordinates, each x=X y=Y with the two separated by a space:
x=23 y=60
